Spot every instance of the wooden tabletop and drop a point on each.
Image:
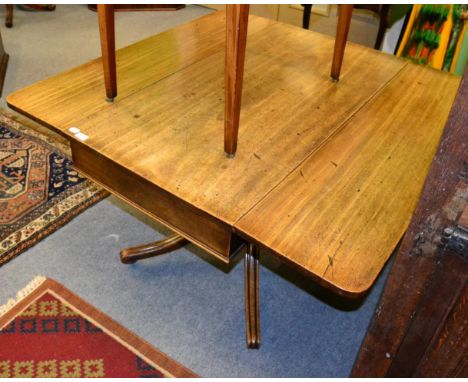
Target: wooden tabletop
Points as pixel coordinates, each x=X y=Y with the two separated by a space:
x=326 y=174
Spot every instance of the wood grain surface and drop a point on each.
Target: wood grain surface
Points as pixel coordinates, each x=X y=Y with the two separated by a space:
x=171 y=132
x=62 y=100
x=207 y=232
x=348 y=159
x=420 y=324
x=342 y=212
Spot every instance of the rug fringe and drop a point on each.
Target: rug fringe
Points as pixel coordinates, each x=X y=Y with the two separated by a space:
x=32 y=286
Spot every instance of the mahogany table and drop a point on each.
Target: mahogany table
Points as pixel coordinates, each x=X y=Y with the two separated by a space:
x=326 y=175
x=237 y=17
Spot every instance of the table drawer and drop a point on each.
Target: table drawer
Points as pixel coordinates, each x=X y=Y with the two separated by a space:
x=197 y=226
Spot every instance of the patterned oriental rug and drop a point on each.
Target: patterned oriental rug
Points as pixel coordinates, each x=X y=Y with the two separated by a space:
x=50 y=332
x=39 y=190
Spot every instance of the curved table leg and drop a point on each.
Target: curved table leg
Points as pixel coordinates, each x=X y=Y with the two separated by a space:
x=171 y=243
x=252 y=306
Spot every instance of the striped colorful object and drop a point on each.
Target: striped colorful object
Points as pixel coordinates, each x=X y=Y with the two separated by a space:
x=426 y=33
x=435 y=36
x=459 y=17
x=48 y=332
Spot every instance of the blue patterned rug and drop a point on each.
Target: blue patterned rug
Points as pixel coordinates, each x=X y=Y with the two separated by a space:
x=40 y=191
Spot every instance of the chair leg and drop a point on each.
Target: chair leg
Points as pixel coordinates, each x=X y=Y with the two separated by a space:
x=107 y=34
x=306 y=15
x=9 y=15
x=252 y=305
x=384 y=8
x=237 y=17
x=344 y=19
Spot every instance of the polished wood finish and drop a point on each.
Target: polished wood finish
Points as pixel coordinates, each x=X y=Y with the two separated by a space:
x=145 y=251
x=345 y=12
x=139 y=132
x=206 y=231
x=340 y=214
x=237 y=16
x=78 y=93
x=236 y=38
x=336 y=150
x=171 y=145
x=252 y=296
x=107 y=36
x=419 y=327
x=9 y=15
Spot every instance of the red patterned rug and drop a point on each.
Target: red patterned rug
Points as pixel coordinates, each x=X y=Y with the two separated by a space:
x=40 y=191
x=50 y=332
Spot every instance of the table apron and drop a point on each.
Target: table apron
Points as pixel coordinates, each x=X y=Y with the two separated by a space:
x=200 y=228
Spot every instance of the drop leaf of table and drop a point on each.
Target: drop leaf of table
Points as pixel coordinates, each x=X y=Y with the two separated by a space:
x=326 y=175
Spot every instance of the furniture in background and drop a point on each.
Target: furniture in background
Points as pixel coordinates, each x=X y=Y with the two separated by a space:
x=142 y=7
x=37 y=7
x=327 y=176
x=3 y=64
x=288 y=13
x=435 y=35
x=306 y=15
x=419 y=328
x=9 y=15
x=237 y=16
x=380 y=9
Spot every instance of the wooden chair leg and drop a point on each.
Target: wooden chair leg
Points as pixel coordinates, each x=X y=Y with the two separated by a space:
x=306 y=15
x=252 y=305
x=382 y=25
x=107 y=34
x=237 y=16
x=9 y=15
x=344 y=19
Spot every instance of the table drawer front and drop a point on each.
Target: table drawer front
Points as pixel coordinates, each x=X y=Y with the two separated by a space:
x=197 y=226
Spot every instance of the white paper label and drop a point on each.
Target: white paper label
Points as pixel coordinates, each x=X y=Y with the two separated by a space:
x=81 y=136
